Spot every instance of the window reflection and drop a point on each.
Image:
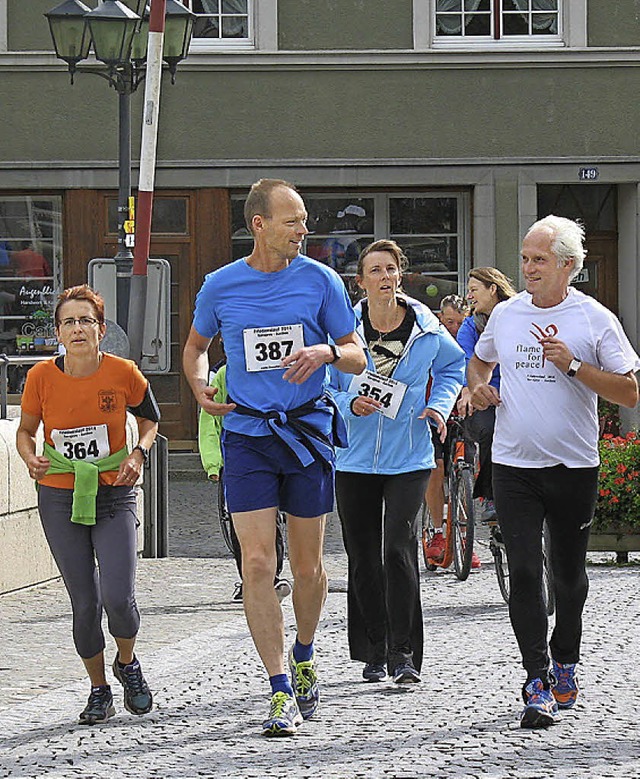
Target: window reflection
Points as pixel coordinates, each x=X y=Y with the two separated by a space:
x=30 y=277
x=428 y=227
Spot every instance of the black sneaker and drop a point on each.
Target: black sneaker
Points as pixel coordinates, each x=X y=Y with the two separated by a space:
x=405 y=673
x=137 y=695
x=373 y=672
x=99 y=707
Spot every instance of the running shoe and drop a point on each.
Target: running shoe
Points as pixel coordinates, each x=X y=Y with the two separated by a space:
x=405 y=673
x=540 y=709
x=305 y=684
x=476 y=565
x=565 y=689
x=436 y=548
x=137 y=695
x=373 y=672
x=488 y=510
x=284 y=716
x=283 y=588
x=237 y=591
x=99 y=707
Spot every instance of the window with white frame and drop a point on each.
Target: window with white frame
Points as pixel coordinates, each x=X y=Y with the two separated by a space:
x=431 y=227
x=508 y=21
x=222 y=23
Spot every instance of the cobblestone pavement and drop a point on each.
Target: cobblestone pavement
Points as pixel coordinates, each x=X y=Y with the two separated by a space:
x=211 y=693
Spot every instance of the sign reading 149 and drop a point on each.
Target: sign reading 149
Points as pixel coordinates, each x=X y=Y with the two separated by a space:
x=388 y=391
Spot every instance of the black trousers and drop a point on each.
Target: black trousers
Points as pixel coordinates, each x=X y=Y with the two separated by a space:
x=566 y=498
x=479 y=427
x=379 y=527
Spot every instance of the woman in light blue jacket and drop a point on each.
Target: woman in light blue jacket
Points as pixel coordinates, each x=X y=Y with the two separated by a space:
x=382 y=476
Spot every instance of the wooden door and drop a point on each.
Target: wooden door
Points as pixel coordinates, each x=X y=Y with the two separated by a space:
x=601 y=269
x=191 y=229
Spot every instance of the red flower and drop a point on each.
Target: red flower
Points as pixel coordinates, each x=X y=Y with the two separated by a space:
x=622 y=468
x=604 y=493
x=607 y=436
x=619 y=480
x=614 y=499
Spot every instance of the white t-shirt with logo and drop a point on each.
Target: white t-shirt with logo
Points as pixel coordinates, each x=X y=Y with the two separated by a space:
x=547 y=418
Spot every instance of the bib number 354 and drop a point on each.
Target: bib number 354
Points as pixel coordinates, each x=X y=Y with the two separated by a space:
x=266 y=347
x=388 y=391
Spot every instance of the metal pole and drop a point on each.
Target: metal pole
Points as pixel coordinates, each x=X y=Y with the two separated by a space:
x=124 y=257
x=138 y=300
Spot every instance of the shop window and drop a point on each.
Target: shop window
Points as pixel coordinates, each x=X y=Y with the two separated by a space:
x=30 y=273
x=431 y=228
x=169 y=215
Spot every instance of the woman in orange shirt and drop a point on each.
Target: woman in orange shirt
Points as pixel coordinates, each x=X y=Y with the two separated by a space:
x=86 y=496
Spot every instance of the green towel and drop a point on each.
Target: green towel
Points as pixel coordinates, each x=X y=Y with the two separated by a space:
x=85 y=487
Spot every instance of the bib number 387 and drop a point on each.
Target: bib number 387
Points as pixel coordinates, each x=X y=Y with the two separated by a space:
x=388 y=391
x=266 y=347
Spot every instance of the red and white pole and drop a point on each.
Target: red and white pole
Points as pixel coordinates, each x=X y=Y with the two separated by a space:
x=151 y=110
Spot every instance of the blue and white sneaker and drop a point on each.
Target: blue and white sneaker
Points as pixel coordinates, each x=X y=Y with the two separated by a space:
x=540 y=709
x=284 y=716
x=565 y=690
x=304 y=680
x=374 y=672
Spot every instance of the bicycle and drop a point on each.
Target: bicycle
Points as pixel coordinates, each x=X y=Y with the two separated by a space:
x=460 y=464
x=497 y=547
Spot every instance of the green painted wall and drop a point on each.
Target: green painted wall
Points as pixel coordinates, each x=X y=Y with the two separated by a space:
x=439 y=113
x=27 y=29
x=507 y=237
x=613 y=22
x=344 y=24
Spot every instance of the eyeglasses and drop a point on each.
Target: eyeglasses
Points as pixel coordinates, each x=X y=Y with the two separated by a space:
x=85 y=322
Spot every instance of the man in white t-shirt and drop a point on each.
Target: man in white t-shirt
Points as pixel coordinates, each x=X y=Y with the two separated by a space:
x=558 y=350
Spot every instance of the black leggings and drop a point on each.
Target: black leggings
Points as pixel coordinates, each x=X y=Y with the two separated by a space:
x=566 y=498
x=384 y=610
x=112 y=540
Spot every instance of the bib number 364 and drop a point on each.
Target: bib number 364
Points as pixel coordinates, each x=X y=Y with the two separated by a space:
x=266 y=347
x=82 y=443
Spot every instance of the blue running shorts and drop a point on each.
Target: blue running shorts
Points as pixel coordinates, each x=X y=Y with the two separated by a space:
x=261 y=472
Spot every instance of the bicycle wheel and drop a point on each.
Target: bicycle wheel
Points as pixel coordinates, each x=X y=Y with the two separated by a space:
x=463 y=524
x=224 y=515
x=548 y=591
x=426 y=535
x=500 y=561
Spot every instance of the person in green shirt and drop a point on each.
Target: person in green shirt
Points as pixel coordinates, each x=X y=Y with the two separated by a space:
x=209 y=446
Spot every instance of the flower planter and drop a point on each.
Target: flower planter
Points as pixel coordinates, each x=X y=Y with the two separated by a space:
x=614 y=541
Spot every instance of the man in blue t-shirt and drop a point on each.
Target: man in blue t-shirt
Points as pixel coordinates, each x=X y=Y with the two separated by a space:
x=276 y=311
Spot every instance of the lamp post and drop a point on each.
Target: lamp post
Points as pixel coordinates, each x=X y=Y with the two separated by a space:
x=117 y=32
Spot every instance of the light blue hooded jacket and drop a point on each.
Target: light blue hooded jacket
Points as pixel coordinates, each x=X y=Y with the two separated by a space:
x=381 y=445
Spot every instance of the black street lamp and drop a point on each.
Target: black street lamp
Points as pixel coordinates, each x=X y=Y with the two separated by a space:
x=118 y=33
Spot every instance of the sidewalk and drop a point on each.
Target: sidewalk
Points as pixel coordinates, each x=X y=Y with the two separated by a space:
x=211 y=692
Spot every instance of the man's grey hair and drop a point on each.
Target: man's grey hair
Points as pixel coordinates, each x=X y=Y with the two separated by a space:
x=567 y=241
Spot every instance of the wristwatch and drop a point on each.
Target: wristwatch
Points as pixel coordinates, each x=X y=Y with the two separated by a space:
x=574 y=367
x=337 y=354
x=143 y=451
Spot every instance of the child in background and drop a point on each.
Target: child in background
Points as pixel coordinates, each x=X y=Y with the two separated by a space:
x=209 y=432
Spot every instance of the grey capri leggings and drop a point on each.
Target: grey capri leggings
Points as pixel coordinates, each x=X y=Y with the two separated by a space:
x=112 y=542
